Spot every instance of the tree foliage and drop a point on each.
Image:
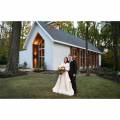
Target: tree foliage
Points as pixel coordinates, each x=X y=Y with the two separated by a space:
x=25 y=29
x=67 y=26
x=5 y=37
x=93 y=32
x=4 y=41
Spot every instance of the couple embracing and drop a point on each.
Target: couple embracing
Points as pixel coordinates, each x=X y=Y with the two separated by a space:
x=66 y=83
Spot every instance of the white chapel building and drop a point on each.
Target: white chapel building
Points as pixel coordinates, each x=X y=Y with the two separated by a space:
x=47 y=45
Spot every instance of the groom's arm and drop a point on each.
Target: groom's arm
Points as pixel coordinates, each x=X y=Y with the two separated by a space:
x=75 y=67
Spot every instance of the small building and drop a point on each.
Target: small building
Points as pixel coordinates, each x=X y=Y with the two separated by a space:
x=47 y=45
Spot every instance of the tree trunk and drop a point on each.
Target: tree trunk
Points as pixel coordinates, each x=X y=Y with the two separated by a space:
x=115 y=37
x=86 y=52
x=13 y=59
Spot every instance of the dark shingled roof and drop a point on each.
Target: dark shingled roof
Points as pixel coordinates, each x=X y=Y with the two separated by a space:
x=65 y=37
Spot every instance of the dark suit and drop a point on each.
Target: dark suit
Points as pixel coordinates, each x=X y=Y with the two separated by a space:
x=73 y=70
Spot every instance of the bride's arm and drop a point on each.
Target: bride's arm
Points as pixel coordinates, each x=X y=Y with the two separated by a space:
x=67 y=67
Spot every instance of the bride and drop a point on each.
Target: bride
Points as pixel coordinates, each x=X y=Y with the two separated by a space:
x=63 y=84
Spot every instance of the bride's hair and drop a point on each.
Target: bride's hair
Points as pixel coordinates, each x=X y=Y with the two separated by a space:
x=66 y=59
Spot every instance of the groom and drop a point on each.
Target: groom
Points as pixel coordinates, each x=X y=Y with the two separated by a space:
x=73 y=72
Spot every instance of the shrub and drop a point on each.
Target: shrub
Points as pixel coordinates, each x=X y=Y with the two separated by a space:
x=107 y=60
x=23 y=66
x=3 y=60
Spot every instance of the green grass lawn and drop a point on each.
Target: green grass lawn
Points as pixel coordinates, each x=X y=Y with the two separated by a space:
x=39 y=85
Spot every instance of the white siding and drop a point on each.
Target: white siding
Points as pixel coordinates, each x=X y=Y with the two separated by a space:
x=99 y=59
x=25 y=56
x=28 y=55
x=60 y=51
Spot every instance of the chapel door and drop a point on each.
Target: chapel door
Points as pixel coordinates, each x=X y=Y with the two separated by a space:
x=38 y=52
x=35 y=56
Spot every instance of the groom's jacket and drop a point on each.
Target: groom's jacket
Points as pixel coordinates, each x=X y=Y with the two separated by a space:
x=73 y=67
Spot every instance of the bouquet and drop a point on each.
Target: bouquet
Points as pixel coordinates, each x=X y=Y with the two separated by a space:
x=61 y=70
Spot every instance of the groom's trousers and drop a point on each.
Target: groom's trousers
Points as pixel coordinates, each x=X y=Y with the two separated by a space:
x=73 y=81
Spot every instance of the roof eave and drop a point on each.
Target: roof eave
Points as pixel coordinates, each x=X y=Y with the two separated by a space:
x=60 y=42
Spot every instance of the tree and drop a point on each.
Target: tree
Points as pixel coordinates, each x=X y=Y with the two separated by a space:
x=13 y=59
x=67 y=26
x=25 y=29
x=93 y=32
x=94 y=35
x=81 y=29
x=110 y=35
x=105 y=36
x=86 y=51
x=107 y=59
x=5 y=36
x=115 y=26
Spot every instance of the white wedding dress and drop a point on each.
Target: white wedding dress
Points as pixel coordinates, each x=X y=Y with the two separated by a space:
x=63 y=84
